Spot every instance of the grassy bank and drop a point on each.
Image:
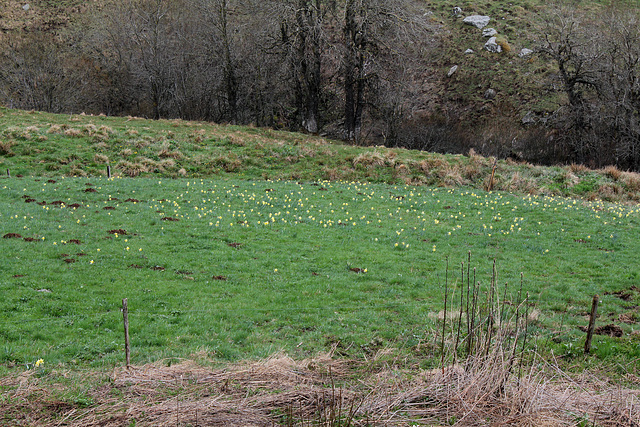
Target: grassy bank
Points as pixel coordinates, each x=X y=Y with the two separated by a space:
x=48 y=145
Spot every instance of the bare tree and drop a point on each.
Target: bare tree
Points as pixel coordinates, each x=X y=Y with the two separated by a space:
x=598 y=62
x=620 y=77
x=34 y=72
x=573 y=45
x=221 y=50
x=383 y=40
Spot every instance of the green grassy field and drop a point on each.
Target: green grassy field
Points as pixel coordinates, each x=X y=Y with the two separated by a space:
x=235 y=243
x=239 y=242
x=243 y=268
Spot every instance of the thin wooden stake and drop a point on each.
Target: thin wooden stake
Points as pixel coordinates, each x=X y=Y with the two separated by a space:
x=125 y=315
x=493 y=174
x=468 y=286
x=592 y=324
x=455 y=351
x=8 y=173
x=444 y=323
x=108 y=171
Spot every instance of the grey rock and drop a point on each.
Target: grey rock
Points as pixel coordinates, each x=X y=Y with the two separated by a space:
x=489 y=32
x=469 y=51
x=525 y=52
x=478 y=21
x=529 y=118
x=492 y=46
x=26 y=6
x=457 y=11
x=489 y=94
x=452 y=71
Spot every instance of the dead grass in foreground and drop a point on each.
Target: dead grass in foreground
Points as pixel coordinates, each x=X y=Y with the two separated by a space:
x=328 y=392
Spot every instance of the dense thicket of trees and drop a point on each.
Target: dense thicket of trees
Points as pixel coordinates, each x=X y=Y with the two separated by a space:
x=598 y=62
x=312 y=65
x=352 y=69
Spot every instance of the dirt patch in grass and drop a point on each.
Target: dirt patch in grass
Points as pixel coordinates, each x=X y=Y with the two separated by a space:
x=119 y=231
x=610 y=330
x=623 y=295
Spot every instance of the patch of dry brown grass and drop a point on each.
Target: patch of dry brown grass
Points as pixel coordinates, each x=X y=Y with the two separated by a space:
x=130 y=169
x=370 y=159
x=58 y=128
x=578 y=168
x=73 y=133
x=487 y=390
x=101 y=158
x=451 y=176
x=612 y=172
x=610 y=192
x=402 y=170
x=519 y=183
x=631 y=180
x=166 y=152
x=432 y=164
x=5 y=147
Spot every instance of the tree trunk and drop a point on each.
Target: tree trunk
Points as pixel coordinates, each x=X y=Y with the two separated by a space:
x=350 y=30
x=231 y=83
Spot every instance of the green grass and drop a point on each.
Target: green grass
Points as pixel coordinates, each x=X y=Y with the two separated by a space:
x=286 y=250
x=271 y=236
x=48 y=145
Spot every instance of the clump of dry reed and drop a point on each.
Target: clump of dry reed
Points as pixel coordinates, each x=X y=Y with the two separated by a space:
x=484 y=390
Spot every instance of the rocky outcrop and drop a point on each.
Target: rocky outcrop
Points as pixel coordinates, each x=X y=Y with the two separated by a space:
x=492 y=45
x=525 y=52
x=489 y=32
x=489 y=94
x=478 y=21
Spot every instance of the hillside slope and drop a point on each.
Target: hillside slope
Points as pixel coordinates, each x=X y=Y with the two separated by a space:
x=43 y=144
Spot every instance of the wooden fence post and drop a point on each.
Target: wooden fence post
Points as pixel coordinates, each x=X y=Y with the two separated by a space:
x=108 y=171
x=493 y=174
x=125 y=315
x=592 y=324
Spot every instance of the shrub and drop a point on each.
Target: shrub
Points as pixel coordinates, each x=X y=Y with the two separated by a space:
x=369 y=159
x=101 y=158
x=612 y=172
x=5 y=148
